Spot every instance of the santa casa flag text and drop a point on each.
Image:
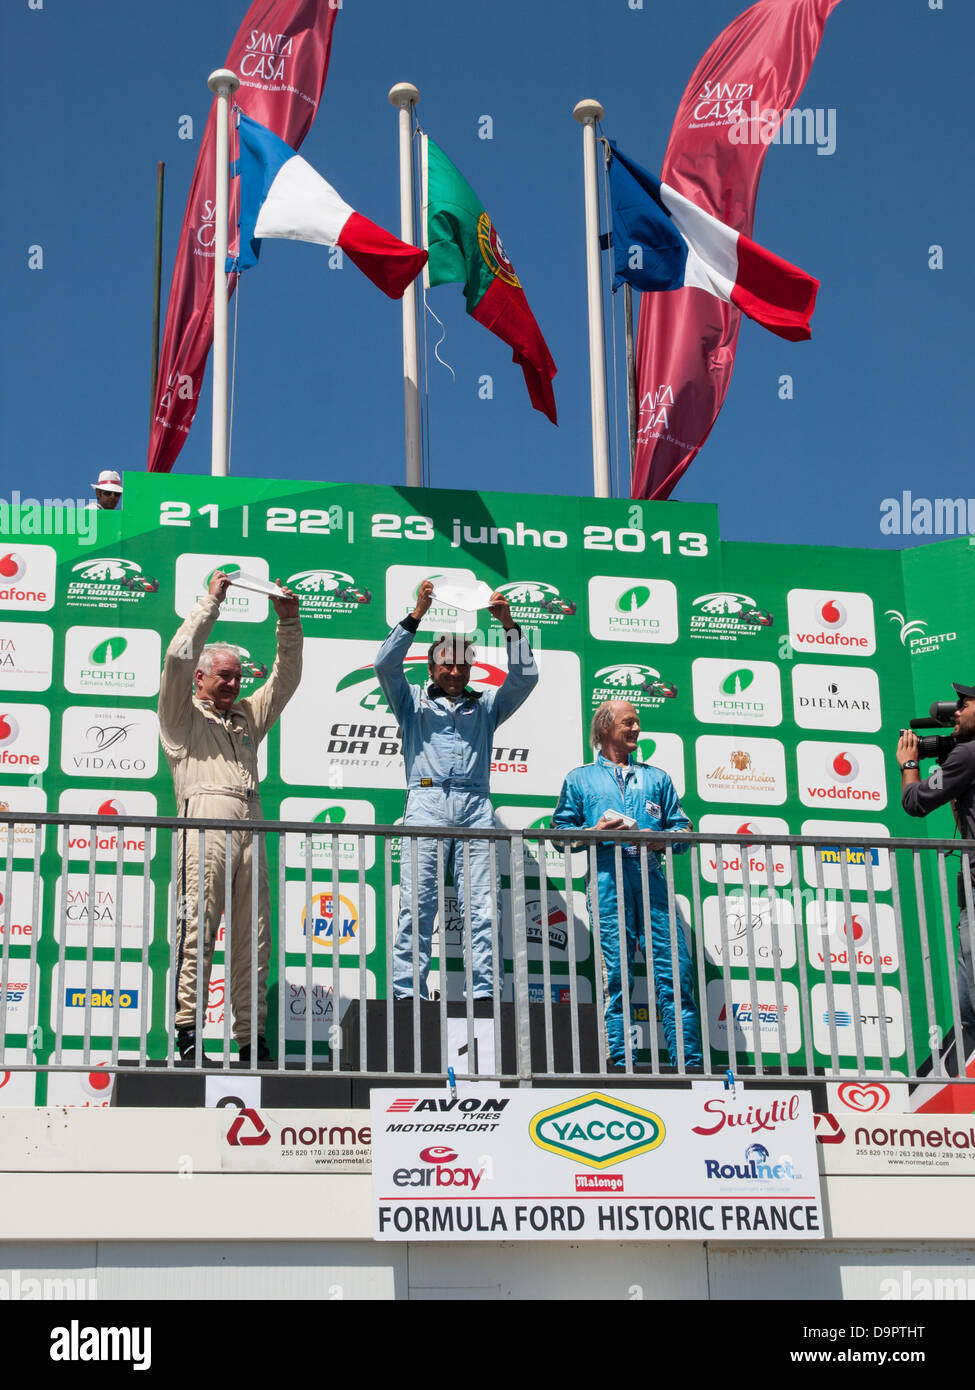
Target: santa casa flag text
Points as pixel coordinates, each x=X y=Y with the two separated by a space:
x=282 y=196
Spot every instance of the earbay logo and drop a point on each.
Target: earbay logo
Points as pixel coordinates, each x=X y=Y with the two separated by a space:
x=727 y=614
x=325 y=593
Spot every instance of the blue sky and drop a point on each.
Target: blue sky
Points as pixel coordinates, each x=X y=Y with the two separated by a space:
x=93 y=94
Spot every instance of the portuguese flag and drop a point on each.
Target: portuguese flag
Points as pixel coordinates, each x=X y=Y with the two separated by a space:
x=464 y=246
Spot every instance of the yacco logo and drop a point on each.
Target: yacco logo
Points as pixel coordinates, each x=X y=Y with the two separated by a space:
x=9 y=729
x=322 y=919
x=844 y=767
x=247 y=1128
x=597 y=1130
x=630 y=600
x=832 y=614
x=735 y=682
x=106 y=570
x=724 y=603
x=109 y=650
x=863 y=1096
x=12 y=566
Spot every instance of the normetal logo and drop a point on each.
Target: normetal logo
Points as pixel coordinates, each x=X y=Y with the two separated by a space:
x=597 y=1130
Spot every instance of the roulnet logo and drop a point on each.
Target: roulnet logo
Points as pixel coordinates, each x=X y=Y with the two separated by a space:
x=841 y=623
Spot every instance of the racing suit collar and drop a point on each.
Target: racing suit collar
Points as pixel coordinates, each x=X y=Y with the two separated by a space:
x=435 y=693
x=606 y=762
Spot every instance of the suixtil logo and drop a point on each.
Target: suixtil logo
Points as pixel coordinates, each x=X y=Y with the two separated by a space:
x=597 y=1130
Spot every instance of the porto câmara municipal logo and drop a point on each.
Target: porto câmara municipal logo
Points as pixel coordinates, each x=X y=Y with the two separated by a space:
x=633 y=599
x=597 y=1130
x=112 y=649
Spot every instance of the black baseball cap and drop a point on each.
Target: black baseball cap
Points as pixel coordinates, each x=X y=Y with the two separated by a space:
x=964 y=692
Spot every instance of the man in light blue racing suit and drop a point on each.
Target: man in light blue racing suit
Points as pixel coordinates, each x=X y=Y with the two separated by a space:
x=599 y=796
x=448 y=735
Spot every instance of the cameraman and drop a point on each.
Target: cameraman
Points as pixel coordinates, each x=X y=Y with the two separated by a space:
x=953 y=781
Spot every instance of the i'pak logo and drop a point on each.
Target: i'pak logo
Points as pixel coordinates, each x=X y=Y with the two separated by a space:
x=597 y=1130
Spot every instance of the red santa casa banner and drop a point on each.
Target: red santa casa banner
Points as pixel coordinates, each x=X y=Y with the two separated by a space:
x=280 y=54
x=686 y=338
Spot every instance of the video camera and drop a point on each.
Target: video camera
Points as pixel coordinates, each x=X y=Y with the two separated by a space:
x=940 y=715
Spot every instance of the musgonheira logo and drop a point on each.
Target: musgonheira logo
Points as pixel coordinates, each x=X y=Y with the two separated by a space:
x=907 y=628
x=246 y=1129
x=438 y=1153
x=106 y=570
x=9 y=729
x=832 y=615
x=862 y=1096
x=100 y=736
x=844 y=767
x=724 y=603
x=12 y=566
x=109 y=650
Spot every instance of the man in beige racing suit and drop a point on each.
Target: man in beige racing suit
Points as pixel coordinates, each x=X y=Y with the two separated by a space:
x=211 y=740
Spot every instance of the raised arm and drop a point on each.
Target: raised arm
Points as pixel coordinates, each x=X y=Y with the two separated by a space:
x=522 y=674
x=389 y=658
x=182 y=655
x=266 y=704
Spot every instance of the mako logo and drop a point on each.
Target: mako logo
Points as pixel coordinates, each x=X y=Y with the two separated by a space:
x=537 y=602
x=27 y=577
x=727 y=614
x=828 y=620
x=727 y=692
x=642 y=685
x=842 y=859
x=325 y=594
x=633 y=610
x=100 y=998
x=597 y=1130
x=833 y=773
x=836 y=697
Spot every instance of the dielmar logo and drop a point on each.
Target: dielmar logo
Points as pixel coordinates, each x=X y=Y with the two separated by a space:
x=597 y=1130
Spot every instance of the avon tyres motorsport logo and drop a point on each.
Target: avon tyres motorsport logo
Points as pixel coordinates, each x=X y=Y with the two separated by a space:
x=642 y=685
x=325 y=593
x=727 y=614
x=107 y=582
x=597 y=1130
x=536 y=602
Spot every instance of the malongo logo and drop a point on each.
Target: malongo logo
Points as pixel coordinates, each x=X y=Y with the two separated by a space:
x=597 y=1130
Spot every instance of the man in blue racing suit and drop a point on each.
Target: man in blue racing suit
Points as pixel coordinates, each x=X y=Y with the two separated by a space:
x=599 y=796
x=448 y=735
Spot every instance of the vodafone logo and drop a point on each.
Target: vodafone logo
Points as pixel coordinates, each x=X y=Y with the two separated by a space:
x=438 y=1153
x=4 y=1078
x=844 y=767
x=9 y=729
x=12 y=566
x=832 y=614
x=97 y=1083
x=857 y=1095
x=855 y=928
x=247 y=1129
x=111 y=807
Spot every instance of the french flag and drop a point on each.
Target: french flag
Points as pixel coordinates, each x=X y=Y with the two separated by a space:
x=663 y=241
x=281 y=195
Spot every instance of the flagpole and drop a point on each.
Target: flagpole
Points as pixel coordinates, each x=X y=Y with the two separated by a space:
x=222 y=83
x=404 y=96
x=630 y=376
x=587 y=113
x=156 y=287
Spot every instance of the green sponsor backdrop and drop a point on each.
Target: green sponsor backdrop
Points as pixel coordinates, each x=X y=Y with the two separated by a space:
x=771 y=681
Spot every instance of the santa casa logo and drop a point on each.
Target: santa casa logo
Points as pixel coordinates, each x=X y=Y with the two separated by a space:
x=834 y=773
x=265 y=56
x=27 y=577
x=247 y=1129
x=756 y=1167
x=726 y=614
x=597 y=1130
x=324 y=593
x=437 y=1172
x=110 y=579
x=641 y=685
x=536 y=601
x=720 y=103
x=557 y=923
x=836 y=697
x=323 y=924
x=827 y=620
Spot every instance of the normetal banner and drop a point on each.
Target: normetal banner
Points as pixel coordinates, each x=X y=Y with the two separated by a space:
x=585 y=1165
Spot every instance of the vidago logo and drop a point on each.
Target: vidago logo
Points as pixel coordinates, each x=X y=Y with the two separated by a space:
x=597 y=1130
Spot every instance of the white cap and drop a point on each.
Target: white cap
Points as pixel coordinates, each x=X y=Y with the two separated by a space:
x=108 y=481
